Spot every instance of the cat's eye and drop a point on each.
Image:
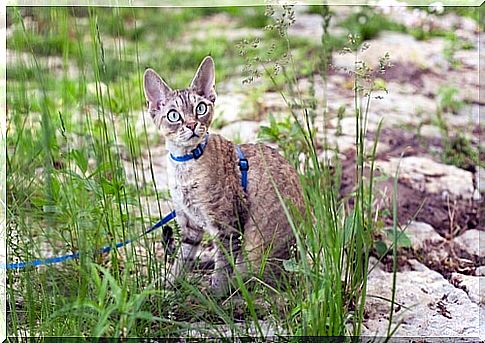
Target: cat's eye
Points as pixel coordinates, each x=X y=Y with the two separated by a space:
x=201 y=109
x=173 y=116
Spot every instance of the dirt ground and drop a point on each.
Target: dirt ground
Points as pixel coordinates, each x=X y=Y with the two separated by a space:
x=448 y=218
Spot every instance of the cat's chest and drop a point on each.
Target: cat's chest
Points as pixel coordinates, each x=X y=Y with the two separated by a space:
x=188 y=188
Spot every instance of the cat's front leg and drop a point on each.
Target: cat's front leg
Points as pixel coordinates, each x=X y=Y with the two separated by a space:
x=228 y=249
x=191 y=236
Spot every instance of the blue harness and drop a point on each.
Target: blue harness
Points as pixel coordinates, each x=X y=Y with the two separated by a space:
x=194 y=154
x=199 y=150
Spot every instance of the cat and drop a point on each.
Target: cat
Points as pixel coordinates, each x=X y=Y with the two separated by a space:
x=249 y=225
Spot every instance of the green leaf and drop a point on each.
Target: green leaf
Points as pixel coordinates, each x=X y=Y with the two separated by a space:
x=81 y=159
x=402 y=240
x=349 y=227
x=291 y=265
x=381 y=248
x=145 y=315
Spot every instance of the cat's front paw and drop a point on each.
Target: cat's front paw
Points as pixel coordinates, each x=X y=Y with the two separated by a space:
x=219 y=284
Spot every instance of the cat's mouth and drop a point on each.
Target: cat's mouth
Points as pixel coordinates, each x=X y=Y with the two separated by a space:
x=190 y=137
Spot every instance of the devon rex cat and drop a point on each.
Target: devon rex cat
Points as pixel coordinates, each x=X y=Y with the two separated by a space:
x=206 y=187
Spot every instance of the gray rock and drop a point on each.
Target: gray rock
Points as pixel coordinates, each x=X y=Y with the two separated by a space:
x=430 y=131
x=466 y=82
x=232 y=107
x=462 y=120
x=402 y=48
x=480 y=176
x=272 y=102
x=55 y=64
x=309 y=26
x=329 y=156
x=471 y=241
x=434 y=307
x=241 y=132
x=480 y=271
x=248 y=328
x=422 y=234
x=398 y=109
x=426 y=175
x=342 y=143
x=476 y=195
x=348 y=125
x=468 y=58
x=346 y=142
x=472 y=286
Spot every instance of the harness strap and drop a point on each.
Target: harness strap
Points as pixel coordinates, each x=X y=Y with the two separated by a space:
x=244 y=167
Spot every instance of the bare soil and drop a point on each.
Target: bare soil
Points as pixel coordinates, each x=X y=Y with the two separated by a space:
x=448 y=218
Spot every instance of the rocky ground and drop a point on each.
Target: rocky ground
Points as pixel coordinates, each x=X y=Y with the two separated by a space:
x=441 y=275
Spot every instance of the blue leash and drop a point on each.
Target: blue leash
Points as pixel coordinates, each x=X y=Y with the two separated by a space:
x=106 y=249
x=243 y=166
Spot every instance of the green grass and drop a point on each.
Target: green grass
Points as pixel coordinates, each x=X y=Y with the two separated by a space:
x=366 y=24
x=69 y=135
x=475 y=13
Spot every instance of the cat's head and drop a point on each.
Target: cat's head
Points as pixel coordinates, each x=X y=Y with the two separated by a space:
x=183 y=116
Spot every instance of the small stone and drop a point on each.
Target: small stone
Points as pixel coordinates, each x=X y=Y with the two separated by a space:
x=309 y=26
x=458 y=120
x=471 y=241
x=343 y=142
x=137 y=174
x=397 y=109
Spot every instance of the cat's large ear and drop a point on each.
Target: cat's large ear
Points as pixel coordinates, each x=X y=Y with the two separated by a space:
x=156 y=90
x=205 y=79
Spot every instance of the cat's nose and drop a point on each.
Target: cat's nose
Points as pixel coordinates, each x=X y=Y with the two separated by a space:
x=191 y=125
